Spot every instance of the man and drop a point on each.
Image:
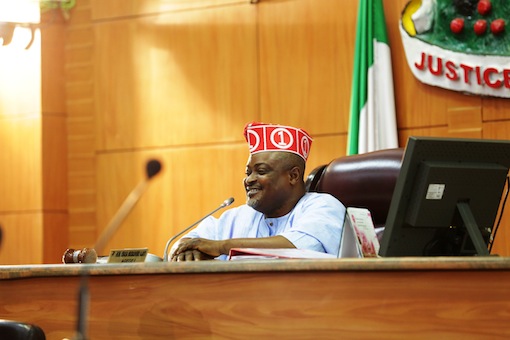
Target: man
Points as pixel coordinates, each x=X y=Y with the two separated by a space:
x=278 y=213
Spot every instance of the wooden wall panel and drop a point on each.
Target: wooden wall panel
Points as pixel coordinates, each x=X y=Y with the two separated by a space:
x=104 y=10
x=52 y=65
x=55 y=238
x=53 y=110
x=53 y=139
x=465 y=122
x=496 y=109
x=54 y=180
x=305 y=64
x=21 y=181
x=80 y=105
x=175 y=79
x=54 y=162
x=23 y=240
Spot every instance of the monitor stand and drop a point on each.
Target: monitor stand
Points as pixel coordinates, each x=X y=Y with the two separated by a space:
x=474 y=233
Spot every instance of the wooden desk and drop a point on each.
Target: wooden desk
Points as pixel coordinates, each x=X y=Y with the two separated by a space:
x=441 y=298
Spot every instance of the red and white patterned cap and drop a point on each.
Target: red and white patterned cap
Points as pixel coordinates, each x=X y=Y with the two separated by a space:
x=270 y=137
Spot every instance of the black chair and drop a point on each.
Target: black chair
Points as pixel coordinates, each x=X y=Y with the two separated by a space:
x=14 y=330
x=363 y=181
x=313 y=178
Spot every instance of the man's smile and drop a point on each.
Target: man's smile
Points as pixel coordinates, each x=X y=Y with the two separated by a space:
x=250 y=192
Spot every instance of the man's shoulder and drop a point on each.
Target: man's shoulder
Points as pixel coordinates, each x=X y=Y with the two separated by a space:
x=321 y=198
x=318 y=196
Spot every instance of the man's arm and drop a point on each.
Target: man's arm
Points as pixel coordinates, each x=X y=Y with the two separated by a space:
x=196 y=249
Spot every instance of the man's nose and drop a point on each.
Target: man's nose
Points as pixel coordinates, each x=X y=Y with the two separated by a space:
x=249 y=179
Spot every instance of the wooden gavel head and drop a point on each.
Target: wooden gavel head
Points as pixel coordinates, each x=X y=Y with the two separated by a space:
x=85 y=255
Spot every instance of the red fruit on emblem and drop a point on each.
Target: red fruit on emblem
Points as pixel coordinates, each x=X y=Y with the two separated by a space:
x=498 y=26
x=457 y=25
x=484 y=7
x=480 y=27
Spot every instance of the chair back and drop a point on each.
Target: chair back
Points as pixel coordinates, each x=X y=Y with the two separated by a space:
x=363 y=181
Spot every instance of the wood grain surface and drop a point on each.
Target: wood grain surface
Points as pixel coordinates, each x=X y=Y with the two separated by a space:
x=284 y=299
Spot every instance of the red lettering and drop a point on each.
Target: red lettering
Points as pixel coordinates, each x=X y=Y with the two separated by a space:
x=451 y=70
x=421 y=66
x=467 y=70
x=506 y=78
x=439 y=70
x=487 y=78
x=475 y=75
x=478 y=75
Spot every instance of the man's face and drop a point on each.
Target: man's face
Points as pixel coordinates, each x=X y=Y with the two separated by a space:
x=267 y=184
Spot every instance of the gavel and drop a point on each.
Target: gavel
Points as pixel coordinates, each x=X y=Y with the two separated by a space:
x=85 y=255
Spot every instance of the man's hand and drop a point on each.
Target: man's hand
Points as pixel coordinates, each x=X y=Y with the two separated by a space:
x=191 y=255
x=196 y=249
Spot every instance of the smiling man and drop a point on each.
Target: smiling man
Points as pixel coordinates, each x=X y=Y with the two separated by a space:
x=278 y=213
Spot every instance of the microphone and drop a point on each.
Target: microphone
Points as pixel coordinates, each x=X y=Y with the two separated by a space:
x=83 y=309
x=153 y=167
x=225 y=203
x=88 y=255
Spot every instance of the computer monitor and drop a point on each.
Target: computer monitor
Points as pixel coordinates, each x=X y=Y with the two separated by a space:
x=446 y=197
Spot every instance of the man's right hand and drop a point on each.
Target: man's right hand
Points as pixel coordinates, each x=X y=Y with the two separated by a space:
x=191 y=255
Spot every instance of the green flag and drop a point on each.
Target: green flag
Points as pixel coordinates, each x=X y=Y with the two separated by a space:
x=372 y=122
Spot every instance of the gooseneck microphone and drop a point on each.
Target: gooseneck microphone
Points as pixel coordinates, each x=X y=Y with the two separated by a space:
x=153 y=167
x=89 y=255
x=225 y=203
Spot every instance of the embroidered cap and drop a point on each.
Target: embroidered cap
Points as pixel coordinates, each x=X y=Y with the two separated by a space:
x=270 y=137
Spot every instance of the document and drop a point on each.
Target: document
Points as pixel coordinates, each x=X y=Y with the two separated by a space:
x=276 y=253
x=359 y=233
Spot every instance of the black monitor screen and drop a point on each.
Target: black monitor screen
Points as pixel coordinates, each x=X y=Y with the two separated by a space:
x=447 y=197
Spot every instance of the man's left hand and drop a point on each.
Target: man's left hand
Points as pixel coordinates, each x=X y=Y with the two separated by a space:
x=196 y=249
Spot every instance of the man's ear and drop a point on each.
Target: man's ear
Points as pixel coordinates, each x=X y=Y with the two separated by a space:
x=294 y=175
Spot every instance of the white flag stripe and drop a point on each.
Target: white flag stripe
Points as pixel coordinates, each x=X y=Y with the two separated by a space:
x=377 y=122
x=385 y=98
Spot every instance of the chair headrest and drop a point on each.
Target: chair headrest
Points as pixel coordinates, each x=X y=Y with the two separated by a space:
x=365 y=181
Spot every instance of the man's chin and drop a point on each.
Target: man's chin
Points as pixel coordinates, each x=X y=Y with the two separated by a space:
x=252 y=202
